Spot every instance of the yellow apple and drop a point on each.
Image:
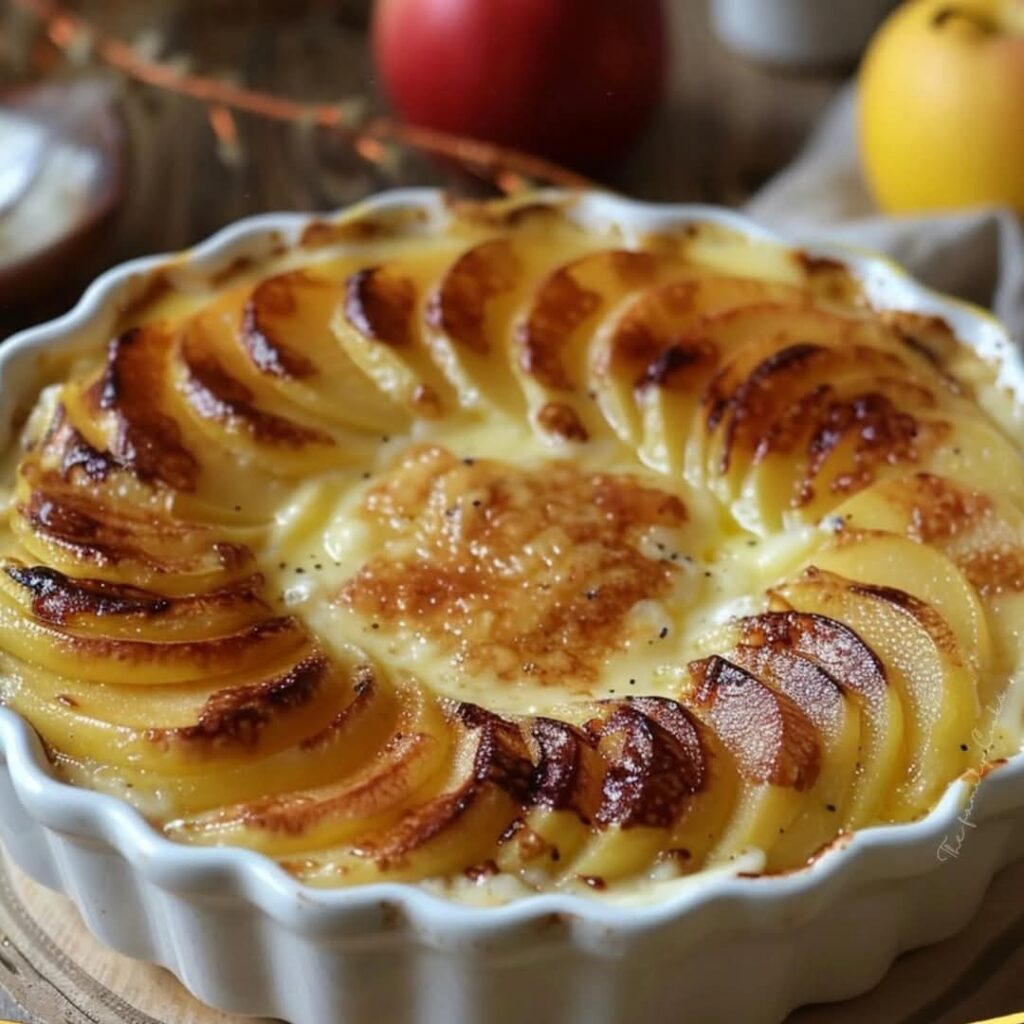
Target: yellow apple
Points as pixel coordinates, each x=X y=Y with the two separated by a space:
x=942 y=106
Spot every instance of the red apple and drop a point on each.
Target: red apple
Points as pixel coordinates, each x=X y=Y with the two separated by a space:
x=572 y=80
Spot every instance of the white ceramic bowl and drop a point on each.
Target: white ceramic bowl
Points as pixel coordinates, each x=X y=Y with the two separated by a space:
x=245 y=937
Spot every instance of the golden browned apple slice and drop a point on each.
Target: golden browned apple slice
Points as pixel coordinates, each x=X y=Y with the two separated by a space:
x=837 y=719
x=380 y=326
x=846 y=659
x=656 y=342
x=88 y=531
x=565 y=797
x=468 y=323
x=766 y=377
x=285 y=331
x=922 y=659
x=225 y=409
x=339 y=805
x=339 y=746
x=154 y=662
x=776 y=748
x=135 y=417
x=98 y=608
x=747 y=340
x=456 y=830
x=835 y=439
x=551 y=345
x=657 y=773
x=194 y=727
x=981 y=532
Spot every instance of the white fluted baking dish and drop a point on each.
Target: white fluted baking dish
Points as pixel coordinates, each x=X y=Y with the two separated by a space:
x=247 y=938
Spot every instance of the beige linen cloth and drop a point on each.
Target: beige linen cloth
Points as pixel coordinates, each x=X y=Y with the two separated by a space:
x=977 y=254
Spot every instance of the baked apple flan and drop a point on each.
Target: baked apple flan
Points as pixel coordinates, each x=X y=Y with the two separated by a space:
x=504 y=553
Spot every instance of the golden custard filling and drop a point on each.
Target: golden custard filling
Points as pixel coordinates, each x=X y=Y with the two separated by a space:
x=507 y=554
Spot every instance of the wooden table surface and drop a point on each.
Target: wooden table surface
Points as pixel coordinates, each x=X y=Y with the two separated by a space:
x=727 y=126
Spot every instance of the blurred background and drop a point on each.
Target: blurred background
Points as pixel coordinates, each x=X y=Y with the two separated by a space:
x=721 y=126
x=131 y=127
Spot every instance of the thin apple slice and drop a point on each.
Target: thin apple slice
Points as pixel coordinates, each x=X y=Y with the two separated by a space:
x=976 y=453
x=775 y=746
x=982 y=533
x=340 y=806
x=552 y=341
x=103 y=659
x=89 y=531
x=855 y=667
x=263 y=430
x=285 y=332
x=889 y=560
x=97 y=608
x=834 y=440
x=380 y=326
x=186 y=728
x=566 y=795
x=82 y=438
x=923 y=660
x=338 y=747
x=656 y=764
x=468 y=323
x=837 y=720
x=458 y=829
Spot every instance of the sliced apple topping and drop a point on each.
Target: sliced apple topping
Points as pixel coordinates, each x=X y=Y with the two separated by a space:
x=285 y=330
x=291 y=563
x=380 y=326
x=367 y=798
x=553 y=336
x=849 y=663
x=468 y=324
x=923 y=660
x=774 y=744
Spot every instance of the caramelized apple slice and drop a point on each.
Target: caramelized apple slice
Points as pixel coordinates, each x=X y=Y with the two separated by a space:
x=655 y=765
x=88 y=531
x=846 y=659
x=455 y=830
x=379 y=325
x=285 y=332
x=338 y=747
x=105 y=660
x=743 y=402
x=332 y=812
x=225 y=409
x=467 y=321
x=835 y=440
x=135 y=411
x=775 y=746
x=923 y=660
x=837 y=720
x=551 y=344
x=981 y=533
x=180 y=729
x=97 y=608
x=565 y=797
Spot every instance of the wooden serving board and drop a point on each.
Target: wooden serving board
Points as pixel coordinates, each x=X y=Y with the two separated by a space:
x=55 y=972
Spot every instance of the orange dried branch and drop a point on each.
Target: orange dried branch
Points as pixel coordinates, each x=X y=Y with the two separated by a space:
x=508 y=169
